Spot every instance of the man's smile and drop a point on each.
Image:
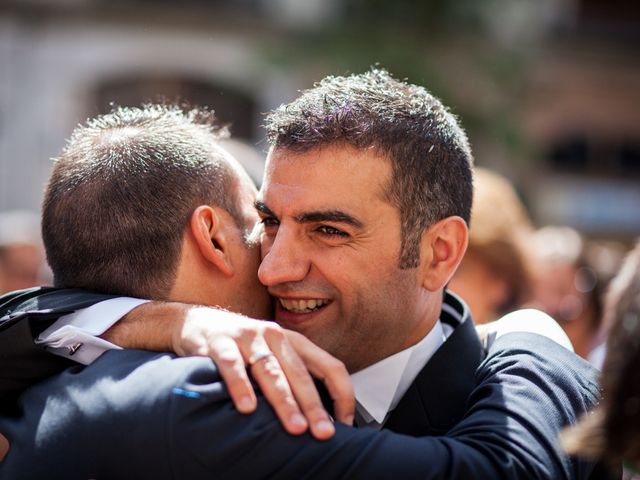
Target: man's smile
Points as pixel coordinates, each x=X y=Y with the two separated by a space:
x=303 y=305
x=294 y=312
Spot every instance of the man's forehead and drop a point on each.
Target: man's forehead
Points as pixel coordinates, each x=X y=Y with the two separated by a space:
x=331 y=165
x=322 y=182
x=324 y=152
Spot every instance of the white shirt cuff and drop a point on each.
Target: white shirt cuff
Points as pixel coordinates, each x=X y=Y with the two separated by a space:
x=75 y=336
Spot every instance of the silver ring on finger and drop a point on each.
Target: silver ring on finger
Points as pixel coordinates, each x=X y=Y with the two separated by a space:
x=259 y=356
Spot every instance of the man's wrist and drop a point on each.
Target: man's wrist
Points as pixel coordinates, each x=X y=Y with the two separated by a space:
x=154 y=326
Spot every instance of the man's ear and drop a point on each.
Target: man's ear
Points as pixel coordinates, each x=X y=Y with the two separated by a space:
x=441 y=250
x=209 y=234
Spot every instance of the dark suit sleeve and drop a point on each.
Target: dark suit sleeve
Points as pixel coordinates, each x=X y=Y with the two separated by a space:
x=528 y=389
x=23 y=316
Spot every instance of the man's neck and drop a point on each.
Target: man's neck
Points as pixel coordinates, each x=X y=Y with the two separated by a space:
x=427 y=318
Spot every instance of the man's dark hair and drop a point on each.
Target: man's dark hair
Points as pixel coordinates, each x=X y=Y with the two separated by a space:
x=429 y=152
x=122 y=192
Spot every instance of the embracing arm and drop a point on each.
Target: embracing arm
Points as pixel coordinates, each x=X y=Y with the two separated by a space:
x=231 y=340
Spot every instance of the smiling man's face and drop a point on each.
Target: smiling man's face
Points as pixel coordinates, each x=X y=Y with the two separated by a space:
x=330 y=249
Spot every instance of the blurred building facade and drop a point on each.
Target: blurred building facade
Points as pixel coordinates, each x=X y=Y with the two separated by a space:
x=547 y=89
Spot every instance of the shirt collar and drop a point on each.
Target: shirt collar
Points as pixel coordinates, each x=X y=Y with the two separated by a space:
x=380 y=387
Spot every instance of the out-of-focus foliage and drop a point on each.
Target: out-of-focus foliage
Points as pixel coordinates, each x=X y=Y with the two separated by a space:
x=444 y=45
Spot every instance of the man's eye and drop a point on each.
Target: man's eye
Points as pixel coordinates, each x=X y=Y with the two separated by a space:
x=269 y=221
x=331 y=231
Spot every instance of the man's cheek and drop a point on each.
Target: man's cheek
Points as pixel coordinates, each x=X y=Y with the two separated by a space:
x=265 y=244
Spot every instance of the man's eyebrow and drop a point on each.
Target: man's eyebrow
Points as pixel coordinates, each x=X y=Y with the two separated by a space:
x=261 y=207
x=329 y=216
x=316 y=216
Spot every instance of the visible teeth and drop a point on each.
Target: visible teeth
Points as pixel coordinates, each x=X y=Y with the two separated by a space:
x=303 y=306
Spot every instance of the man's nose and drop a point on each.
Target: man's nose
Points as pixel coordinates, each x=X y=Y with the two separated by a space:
x=284 y=260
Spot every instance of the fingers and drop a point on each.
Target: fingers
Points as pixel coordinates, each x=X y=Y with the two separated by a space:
x=227 y=356
x=331 y=371
x=278 y=366
x=336 y=378
x=201 y=335
x=267 y=371
x=301 y=383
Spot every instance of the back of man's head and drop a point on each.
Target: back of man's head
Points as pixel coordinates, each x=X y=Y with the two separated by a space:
x=121 y=193
x=429 y=152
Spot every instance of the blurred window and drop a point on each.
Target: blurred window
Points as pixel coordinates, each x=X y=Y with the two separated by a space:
x=584 y=155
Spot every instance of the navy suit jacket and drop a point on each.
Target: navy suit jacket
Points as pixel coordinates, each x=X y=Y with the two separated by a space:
x=24 y=315
x=448 y=386
x=135 y=414
x=437 y=399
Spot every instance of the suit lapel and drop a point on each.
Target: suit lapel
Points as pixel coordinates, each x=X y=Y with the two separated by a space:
x=437 y=398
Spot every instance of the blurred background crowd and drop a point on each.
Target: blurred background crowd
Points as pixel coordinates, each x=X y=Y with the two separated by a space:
x=547 y=90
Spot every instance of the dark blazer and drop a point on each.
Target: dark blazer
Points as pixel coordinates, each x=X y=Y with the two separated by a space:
x=23 y=316
x=433 y=404
x=134 y=414
x=448 y=386
x=437 y=398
